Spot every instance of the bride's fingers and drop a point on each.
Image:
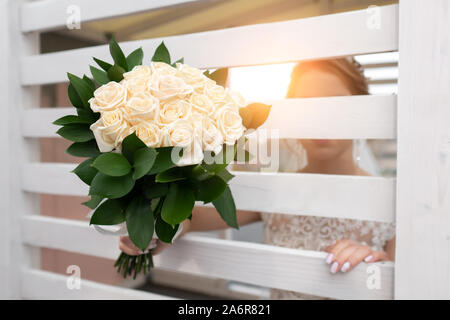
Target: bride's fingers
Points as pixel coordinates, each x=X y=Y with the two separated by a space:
x=342 y=257
x=127 y=246
x=355 y=258
x=338 y=247
x=376 y=256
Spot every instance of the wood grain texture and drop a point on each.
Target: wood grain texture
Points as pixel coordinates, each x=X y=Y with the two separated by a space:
x=423 y=195
x=354 y=197
x=352 y=117
x=259 y=264
x=319 y=37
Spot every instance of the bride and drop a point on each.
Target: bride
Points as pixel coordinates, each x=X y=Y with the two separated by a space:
x=348 y=242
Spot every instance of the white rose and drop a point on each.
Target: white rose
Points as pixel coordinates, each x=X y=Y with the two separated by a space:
x=229 y=122
x=162 y=69
x=141 y=106
x=136 y=85
x=217 y=94
x=196 y=119
x=149 y=133
x=212 y=138
x=110 y=130
x=169 y=86
x=138 y=72
x=202 y=104
x=108 y=97
x=184 y=135
x=236 y=98
x=192 y=76
x=174 y=110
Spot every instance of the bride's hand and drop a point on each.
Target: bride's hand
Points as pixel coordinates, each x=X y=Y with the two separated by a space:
x=344 y=255
x=156 y=245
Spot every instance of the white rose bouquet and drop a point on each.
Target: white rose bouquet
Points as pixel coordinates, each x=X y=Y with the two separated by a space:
x=158 y=138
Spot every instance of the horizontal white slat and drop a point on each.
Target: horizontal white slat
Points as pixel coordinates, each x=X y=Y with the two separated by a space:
x=42 y=285
x=354 y=197
x=311 y=38
x=35 y=15
x=258 y=264
x=37 y=122
x=349 y=117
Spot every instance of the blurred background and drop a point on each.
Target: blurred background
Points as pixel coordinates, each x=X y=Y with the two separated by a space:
x=255 y=83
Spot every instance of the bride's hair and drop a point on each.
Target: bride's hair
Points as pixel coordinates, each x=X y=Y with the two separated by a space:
x=347 y=69
x=292 y=154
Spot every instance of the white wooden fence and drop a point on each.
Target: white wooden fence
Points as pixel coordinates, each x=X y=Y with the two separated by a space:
x=419 y=118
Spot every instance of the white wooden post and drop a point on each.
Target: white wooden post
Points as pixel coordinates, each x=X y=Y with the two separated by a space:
x=15 y=149
x=423 y=188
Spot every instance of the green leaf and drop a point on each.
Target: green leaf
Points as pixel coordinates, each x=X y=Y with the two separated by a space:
x=103 y=64
x=117 y=54
x=112 y=164
x=156 y=190
x=143 y=161
x=115 y=73
x=135 y=58
x=84 y=91
x=220 y=76
x=210 y=189
x=85 y=171
x=71 y=119
x=161 y=54
x=76 y=132
x=225 y=175
x=226 y=208
x=111 y=187
x=181 y=60
x=140 y=222
x=221 y=160
x=254 y=115
x=109 y=213
x=74 y=97
x=88 y=114
x=84 y=149
x=199 y=173
x=170 y=175
x=130 y=145
x=89 y=82
x=165 y=231
x=178 y=204
x=163 y=160
x=93 y=202
x=99 y=75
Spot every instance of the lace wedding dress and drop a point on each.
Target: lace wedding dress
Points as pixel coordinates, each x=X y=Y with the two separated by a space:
x=315 y=233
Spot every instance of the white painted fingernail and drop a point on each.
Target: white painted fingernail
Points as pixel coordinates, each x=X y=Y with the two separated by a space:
x=345 y=267
x=140 y=251
x=329 y=258
x=334 y=267
x=368 y=258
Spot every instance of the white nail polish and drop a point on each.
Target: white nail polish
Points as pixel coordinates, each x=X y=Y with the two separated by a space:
x=334 y=267
x=345 y=267
x=368 y=258
x=140 y=251
x=329 y=258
